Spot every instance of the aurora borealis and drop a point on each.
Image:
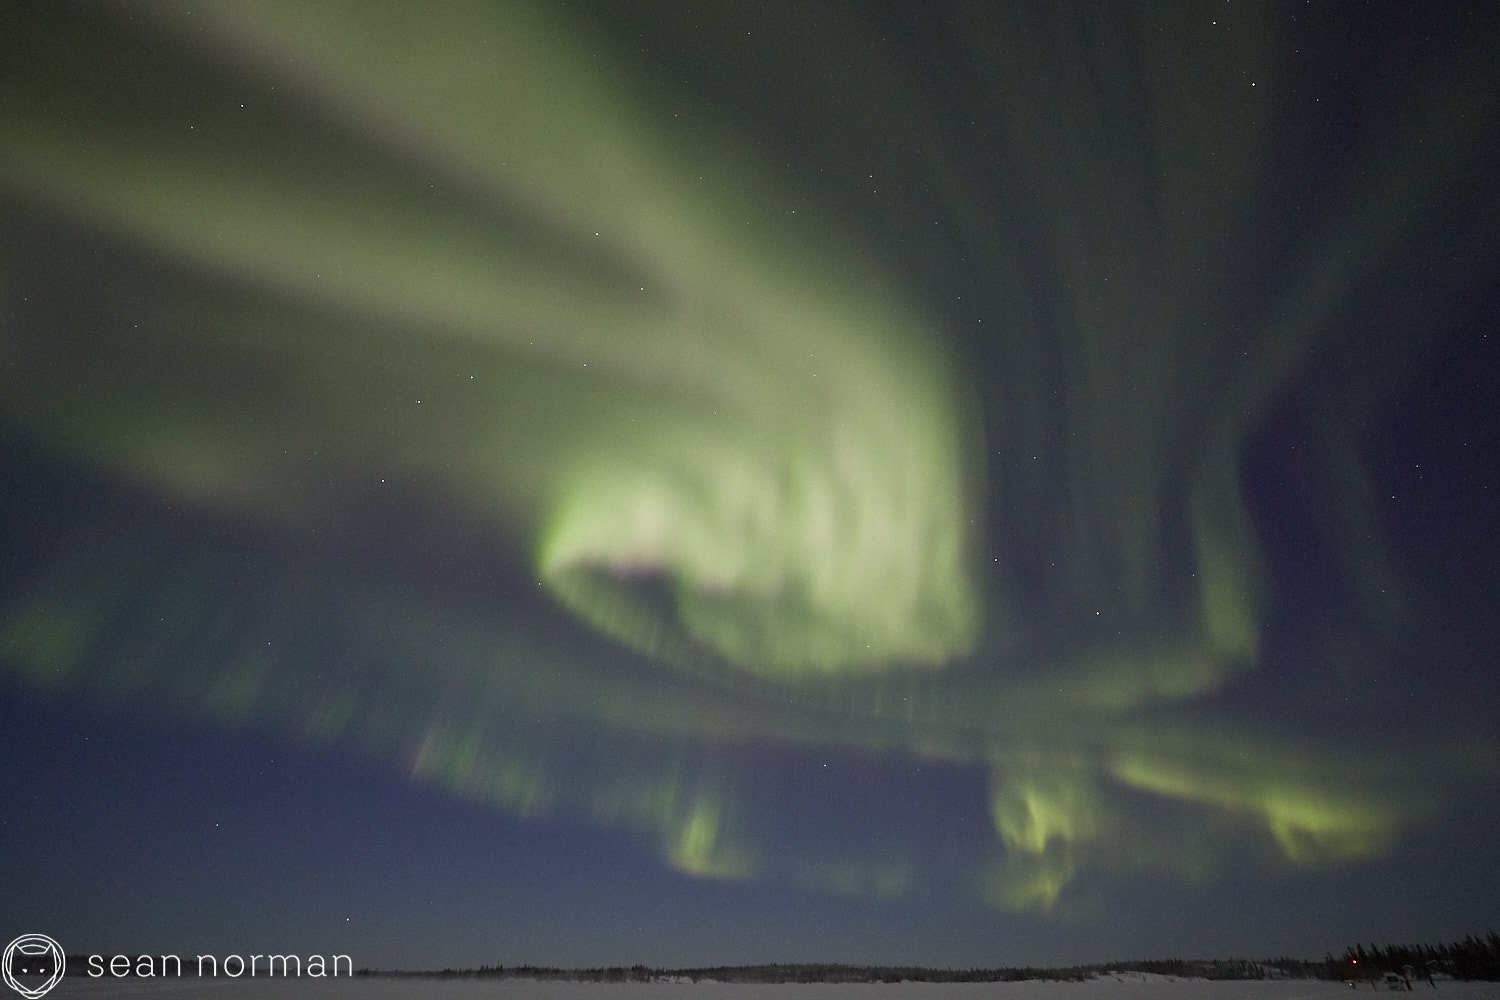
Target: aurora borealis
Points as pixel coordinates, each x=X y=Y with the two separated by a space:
x=1020 y=469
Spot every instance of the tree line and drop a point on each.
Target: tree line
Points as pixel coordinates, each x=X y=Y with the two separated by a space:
x=1471 y=958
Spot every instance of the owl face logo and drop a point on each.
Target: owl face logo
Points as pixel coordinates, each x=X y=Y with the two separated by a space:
x=33 y=964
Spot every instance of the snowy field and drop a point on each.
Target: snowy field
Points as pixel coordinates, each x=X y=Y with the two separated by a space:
x=1128 y=988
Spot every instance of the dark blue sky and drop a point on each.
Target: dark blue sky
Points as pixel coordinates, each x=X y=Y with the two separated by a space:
x=878 y=483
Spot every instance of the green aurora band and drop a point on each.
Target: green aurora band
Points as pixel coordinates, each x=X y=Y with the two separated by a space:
x=797 y=524
x=452 y=274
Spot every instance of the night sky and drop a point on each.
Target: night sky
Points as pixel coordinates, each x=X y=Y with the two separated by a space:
x=590 y=483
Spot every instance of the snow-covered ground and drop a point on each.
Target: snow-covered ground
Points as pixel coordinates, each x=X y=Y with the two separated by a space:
x=1127 y=987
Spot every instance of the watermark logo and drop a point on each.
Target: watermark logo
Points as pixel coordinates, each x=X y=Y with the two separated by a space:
x=33 y=964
